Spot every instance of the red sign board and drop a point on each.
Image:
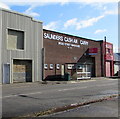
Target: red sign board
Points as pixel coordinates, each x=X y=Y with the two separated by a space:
x=109 y=57
x=110 y=46
x=93 y=51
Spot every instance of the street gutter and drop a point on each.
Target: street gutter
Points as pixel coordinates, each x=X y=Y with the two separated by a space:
x=67 y=107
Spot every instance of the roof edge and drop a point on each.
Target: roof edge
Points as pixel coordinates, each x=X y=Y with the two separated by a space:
x=18 y=13
x=72 y=35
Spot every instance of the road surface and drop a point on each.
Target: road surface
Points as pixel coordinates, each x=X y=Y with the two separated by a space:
x=24 y=99
x=107 y=108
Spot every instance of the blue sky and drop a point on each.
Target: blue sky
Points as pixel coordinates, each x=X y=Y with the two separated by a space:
x=85 y=19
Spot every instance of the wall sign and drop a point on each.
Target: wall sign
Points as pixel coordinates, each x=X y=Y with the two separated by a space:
x=93 y=51
x=68 y=44
x=65 y=41
x=109 y=57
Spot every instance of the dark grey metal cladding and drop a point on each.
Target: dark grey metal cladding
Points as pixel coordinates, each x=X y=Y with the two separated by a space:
x=33 y=41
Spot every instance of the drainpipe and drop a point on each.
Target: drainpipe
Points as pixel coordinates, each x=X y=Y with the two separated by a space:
x=105 y=57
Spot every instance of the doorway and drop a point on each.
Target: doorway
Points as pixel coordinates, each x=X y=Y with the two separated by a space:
x=62 y=70
x=6 y=73
x=22 y=70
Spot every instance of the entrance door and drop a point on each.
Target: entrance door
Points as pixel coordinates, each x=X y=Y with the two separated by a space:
x=62 y=70
x=116 y=68
x=6 y=73
x=108 y=69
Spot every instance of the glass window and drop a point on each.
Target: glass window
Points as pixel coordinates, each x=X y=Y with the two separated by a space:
x=51 y=66
x=57 y=66
x=45 y=66
x=79 y=67
x=71 y=66
x=15 y=40
x=108 y=51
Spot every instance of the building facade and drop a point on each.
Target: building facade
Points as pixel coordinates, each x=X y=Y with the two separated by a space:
x=117 y=64
x=108 y=59
x=20 y=48
x=66 y=53
x=29 y=53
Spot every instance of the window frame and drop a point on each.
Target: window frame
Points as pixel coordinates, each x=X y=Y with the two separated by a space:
x=24 y=40
x=45 y=66
x=52 y=67
x=70 y=66
x=57 y=66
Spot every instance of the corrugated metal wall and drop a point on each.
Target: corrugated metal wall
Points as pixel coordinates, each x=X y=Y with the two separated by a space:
x=33 y=41
x=0 y=45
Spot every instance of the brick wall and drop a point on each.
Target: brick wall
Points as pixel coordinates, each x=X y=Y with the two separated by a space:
x=62 y=54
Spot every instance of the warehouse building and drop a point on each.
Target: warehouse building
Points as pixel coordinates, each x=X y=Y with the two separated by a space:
x=64 y=53
x=20 y=48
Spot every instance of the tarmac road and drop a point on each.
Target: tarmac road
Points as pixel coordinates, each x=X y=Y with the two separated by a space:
x=28 y=98
x=107 y=108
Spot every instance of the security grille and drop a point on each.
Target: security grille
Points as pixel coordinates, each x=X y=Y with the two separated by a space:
x=83 y=75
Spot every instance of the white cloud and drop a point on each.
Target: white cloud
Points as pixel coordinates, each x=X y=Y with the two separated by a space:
x=51 y=26
x=82 y=24
x=99 y=6
x=64 y=2
x=111 y=12
x=30 y=12
x=100 y=31
x=96 y=1
x=43 y=2
x=71 y=22
x=89 y=22
x=5 y=6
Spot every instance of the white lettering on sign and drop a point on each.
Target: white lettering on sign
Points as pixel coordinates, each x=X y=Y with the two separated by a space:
x=54 y=37
x=83 y=42
x=70 y=40
x=61 y=43
x=68 y=44
x=67 y=41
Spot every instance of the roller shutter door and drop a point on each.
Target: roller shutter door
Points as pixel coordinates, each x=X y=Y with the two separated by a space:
x=22 y=71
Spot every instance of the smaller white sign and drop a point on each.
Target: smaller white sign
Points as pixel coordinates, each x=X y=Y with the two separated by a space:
x=68 y=44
